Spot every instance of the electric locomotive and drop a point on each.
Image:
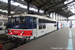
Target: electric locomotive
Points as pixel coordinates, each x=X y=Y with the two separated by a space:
x=29 y=26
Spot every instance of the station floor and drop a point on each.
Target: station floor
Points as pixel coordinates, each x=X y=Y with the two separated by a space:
x=63 y=39
x=2 y=32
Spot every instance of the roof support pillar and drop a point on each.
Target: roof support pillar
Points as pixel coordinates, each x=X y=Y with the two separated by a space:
x=59 y=17
x=55 y=15
x=49 y=15
x=9 y=7
x=28 y=7
x=52 y=15
x=44 y=12
x=67 y=19
x=70 y=24
x=38 y=10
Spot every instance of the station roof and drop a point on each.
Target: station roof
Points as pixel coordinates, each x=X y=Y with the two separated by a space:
x=57 y=6
x=49 y=6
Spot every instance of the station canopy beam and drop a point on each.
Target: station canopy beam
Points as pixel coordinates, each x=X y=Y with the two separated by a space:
x=50 y=5
x=9 y=7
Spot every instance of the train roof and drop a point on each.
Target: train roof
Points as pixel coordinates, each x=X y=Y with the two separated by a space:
x=33 y=15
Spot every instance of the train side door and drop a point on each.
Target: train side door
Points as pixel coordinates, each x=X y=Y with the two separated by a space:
x=34 y=26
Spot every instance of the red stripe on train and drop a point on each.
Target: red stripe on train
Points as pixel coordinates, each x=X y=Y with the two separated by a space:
x=20 y=32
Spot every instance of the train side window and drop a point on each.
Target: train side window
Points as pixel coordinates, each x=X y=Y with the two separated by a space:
x=31 y=20
x=34 y=20
x=40 y=26
x=44 y=26
x=40 y=21
x=44 y=21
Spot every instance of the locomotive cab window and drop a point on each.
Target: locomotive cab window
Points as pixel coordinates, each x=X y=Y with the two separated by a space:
x=11 y=20
x=17 y=20
x=22 y=20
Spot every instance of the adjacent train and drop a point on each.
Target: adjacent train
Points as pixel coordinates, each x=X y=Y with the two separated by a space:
x=2 y=25
x=29 y=26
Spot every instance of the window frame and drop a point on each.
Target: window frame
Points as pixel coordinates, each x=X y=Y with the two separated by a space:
x=45 y=21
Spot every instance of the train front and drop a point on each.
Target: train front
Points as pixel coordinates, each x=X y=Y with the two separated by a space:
x=19 y=27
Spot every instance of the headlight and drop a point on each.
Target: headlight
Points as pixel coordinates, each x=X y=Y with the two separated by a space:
x=10 y=31
x=22 y=32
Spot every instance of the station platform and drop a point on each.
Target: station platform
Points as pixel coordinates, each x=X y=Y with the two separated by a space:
x=2 y=32
x=63 y=39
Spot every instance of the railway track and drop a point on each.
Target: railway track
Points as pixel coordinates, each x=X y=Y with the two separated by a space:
x=8 y=44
